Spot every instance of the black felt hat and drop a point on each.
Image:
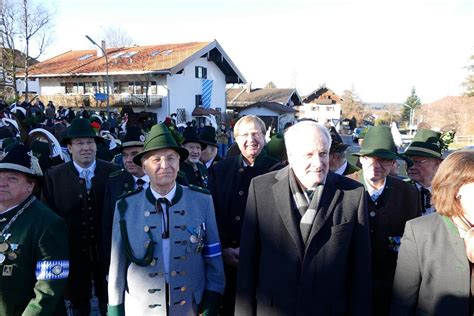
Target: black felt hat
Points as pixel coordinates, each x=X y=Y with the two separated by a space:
x=159 y=138
x=20 y=158
x=337 y=145
x=208 y=135
x=80 y=128
x=133 y=138
x=191 y=136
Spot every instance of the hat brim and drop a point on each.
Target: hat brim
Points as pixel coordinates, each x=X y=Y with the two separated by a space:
x=182 y=152
x=20 y=169
x=338 y=148
x=203 y=144
x=384 y=154
x=67 y=140
x=131 y=144
x=430 y=154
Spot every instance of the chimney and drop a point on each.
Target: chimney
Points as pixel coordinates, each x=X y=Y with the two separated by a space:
x=248 y=87
x=104 y=48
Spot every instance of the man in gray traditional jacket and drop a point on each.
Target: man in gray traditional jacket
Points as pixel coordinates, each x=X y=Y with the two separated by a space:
x=166 y=254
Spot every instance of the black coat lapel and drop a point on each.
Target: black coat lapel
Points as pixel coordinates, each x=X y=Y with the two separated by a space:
x=282 y=194
x=326 y=206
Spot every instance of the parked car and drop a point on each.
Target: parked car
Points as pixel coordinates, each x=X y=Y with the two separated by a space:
x=356 y=133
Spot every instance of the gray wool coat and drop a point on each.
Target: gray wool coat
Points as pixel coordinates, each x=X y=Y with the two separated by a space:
x=137 y=290
x=433 y=272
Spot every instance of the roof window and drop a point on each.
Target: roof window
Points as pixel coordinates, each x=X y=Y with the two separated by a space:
x=84 y=57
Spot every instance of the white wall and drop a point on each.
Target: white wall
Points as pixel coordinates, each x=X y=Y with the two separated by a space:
x=184 y=87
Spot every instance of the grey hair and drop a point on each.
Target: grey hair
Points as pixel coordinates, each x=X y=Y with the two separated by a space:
x=300 y=129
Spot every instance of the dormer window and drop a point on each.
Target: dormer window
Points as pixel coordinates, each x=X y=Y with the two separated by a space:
x=201 y=72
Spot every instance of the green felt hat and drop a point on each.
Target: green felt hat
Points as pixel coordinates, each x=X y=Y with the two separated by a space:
x=80 y=128
x=378 y=142
x=425 y=143
x=276 y=147
x=208 y=136
x=159 y=138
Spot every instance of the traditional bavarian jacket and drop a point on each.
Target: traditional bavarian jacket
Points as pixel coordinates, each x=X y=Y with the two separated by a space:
x=34 y=261
x=137 y=280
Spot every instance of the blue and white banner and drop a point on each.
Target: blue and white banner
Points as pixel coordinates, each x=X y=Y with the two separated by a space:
x=52 y=270
x=206 y=93
x=212 y=250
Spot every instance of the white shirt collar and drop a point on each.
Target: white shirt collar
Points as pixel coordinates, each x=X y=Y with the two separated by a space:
x=168 y=196
x=79 y=169
x=373 y=191
x=145 y=178
x=341 y=169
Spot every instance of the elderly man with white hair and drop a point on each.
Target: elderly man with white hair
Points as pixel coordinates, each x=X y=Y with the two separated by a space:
x=305 y=246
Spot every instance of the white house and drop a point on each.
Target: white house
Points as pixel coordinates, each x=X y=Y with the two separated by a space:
x=188 y=79
x=322 y=105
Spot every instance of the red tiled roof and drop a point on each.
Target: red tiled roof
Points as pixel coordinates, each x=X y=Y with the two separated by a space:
x=142 y=59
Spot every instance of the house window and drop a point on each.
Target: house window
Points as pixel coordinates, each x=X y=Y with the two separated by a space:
x=130 y=87
x=153 y=89
x=201 y=72
x=80 y=88
x=90 y=87
x=198 y=99
x=330 y=108
x=315 y=108
x=69 y=86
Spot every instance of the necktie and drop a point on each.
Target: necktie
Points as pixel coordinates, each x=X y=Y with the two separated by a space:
x=165 y=216
x=375 y=196
x=426 y=198
x=140 y=183
x=86 y=174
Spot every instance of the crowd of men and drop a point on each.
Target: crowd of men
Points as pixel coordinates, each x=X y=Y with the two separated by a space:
x=153 y=221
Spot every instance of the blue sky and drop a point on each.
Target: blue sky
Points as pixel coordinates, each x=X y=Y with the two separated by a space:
x=379 y=48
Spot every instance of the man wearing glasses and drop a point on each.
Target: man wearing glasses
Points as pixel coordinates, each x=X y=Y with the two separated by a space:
x=425 y=154
x=391 y=202
x=229 y=182
x=75 y=191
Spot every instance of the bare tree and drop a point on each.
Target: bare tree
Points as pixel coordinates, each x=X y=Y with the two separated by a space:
x=115 y=36
x=28 y=23
x=35 y=26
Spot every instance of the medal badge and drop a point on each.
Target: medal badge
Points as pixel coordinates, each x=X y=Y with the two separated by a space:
x=4 y=246
x=2 y=258
x=7 y=270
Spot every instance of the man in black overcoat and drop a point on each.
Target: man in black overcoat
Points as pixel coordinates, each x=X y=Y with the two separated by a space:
x=229 y=180
x=305 y=247
x=75 y=191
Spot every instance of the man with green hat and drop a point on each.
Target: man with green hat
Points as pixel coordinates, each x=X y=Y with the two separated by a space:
x=425 y=155
x=34 y=250
x=209 y=155
x=194 y=171
x=75 y=191
x=166 y=254
x=391 y=202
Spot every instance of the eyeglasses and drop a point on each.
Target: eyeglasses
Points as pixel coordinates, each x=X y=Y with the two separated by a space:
x=256 y=135
x=419 y=162
x=381 y=161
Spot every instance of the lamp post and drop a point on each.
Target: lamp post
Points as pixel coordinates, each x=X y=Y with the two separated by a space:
x=412 y=112
x=106 y=72
x=391 y=117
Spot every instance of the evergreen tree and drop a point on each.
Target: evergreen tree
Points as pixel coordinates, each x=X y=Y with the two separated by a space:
x=468 y=83
x=411 y=104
